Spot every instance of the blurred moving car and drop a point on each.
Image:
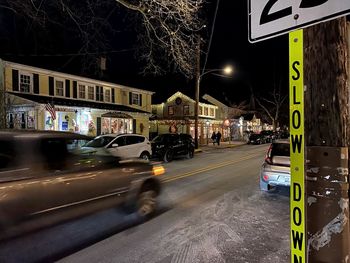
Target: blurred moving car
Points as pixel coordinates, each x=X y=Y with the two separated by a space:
x=255 y=138
x=275 y=171
x=44 y=180
x=167 y=146
x=120 y=145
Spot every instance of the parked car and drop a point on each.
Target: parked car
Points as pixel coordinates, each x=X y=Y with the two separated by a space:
x=275 y=171
x=269 y=135
x=255 y=138
x=44 y=179
x=120 y=145
x=167 y=146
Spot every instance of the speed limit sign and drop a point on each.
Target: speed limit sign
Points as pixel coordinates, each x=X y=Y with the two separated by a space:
x=270 y=18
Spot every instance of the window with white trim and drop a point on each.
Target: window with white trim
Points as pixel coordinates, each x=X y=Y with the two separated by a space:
x=186 y=110
x=91 y=93
x=59 y=88
x=170 y=110
x=205 y=111
x=212 y=112
x=25 y=83
x=107 y=94
x=81 y=91
x=135 y=98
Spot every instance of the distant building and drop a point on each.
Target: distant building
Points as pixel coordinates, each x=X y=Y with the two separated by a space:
x=41 y=99
x=176 y=114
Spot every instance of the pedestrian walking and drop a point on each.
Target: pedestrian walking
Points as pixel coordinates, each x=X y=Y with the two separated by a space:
x=218 y=137
x=213 y=137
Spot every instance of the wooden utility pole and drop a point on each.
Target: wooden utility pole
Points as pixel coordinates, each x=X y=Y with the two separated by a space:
x=327 y=132
x=2 y=96
x=198 y=80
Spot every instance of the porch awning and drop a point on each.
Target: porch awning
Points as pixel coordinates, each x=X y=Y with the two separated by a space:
x=120 y=115
x=58 y=101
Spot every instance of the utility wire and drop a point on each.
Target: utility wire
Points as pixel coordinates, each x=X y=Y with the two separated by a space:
x=70 y=54
x=211 y=36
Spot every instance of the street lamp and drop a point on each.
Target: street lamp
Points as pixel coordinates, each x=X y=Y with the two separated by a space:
x=226 y=71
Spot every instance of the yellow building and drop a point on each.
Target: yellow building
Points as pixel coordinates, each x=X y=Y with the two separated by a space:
x=42 y=99
x=176 y=114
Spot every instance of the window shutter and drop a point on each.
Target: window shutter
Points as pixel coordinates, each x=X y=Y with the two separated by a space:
x=133 y=126
x=97 y=88
x=113 y=96
x=36 y=84
x=75 y=89
x=15 y=84
x=67 y=88
x=130 y=98
x=140 y=100
x=51 y=87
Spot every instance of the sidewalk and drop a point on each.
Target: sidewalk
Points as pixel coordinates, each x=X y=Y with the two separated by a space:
x=223 y=145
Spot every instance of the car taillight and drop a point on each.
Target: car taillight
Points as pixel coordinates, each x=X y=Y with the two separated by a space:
x=268 y=155
x=266 y=177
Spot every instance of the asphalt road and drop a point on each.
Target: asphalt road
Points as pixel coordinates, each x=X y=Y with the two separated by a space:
x=211 y=210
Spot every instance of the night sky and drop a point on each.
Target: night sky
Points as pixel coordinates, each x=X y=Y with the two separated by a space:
x=261 y=65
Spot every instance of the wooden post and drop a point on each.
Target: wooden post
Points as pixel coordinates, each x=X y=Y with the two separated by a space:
x=198 y=80
x=327 y=127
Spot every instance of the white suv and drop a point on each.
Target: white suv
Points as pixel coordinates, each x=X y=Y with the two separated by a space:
x=121 y=145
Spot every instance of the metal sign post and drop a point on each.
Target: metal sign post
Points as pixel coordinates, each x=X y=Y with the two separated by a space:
x=297 y=146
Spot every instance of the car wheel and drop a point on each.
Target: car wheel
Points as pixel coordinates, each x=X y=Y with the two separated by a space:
x=146 y=203
x=168 y=156
x=190 y=153
x=145 y=156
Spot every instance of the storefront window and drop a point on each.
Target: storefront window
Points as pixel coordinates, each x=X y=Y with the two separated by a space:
x=116 y=125
x=31 y=120
x=105 y=125
x=49 y=122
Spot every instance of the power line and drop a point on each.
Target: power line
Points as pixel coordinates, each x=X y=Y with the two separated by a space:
x=211 y=36
x=71 y=54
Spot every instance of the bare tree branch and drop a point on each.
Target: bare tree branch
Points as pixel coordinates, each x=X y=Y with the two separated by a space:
x=170 y=28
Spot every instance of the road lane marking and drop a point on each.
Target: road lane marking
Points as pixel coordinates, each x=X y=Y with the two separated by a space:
x=209 y=168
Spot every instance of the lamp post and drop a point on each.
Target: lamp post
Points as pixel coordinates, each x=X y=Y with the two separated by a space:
x=224 y=72
x=207 y=123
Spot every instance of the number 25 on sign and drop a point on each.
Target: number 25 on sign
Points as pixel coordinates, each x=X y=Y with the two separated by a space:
x=297 y=188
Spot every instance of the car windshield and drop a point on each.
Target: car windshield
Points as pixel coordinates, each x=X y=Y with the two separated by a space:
x=158 y=139
x=254 y=136
x=100 y=141
x=280 y=149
